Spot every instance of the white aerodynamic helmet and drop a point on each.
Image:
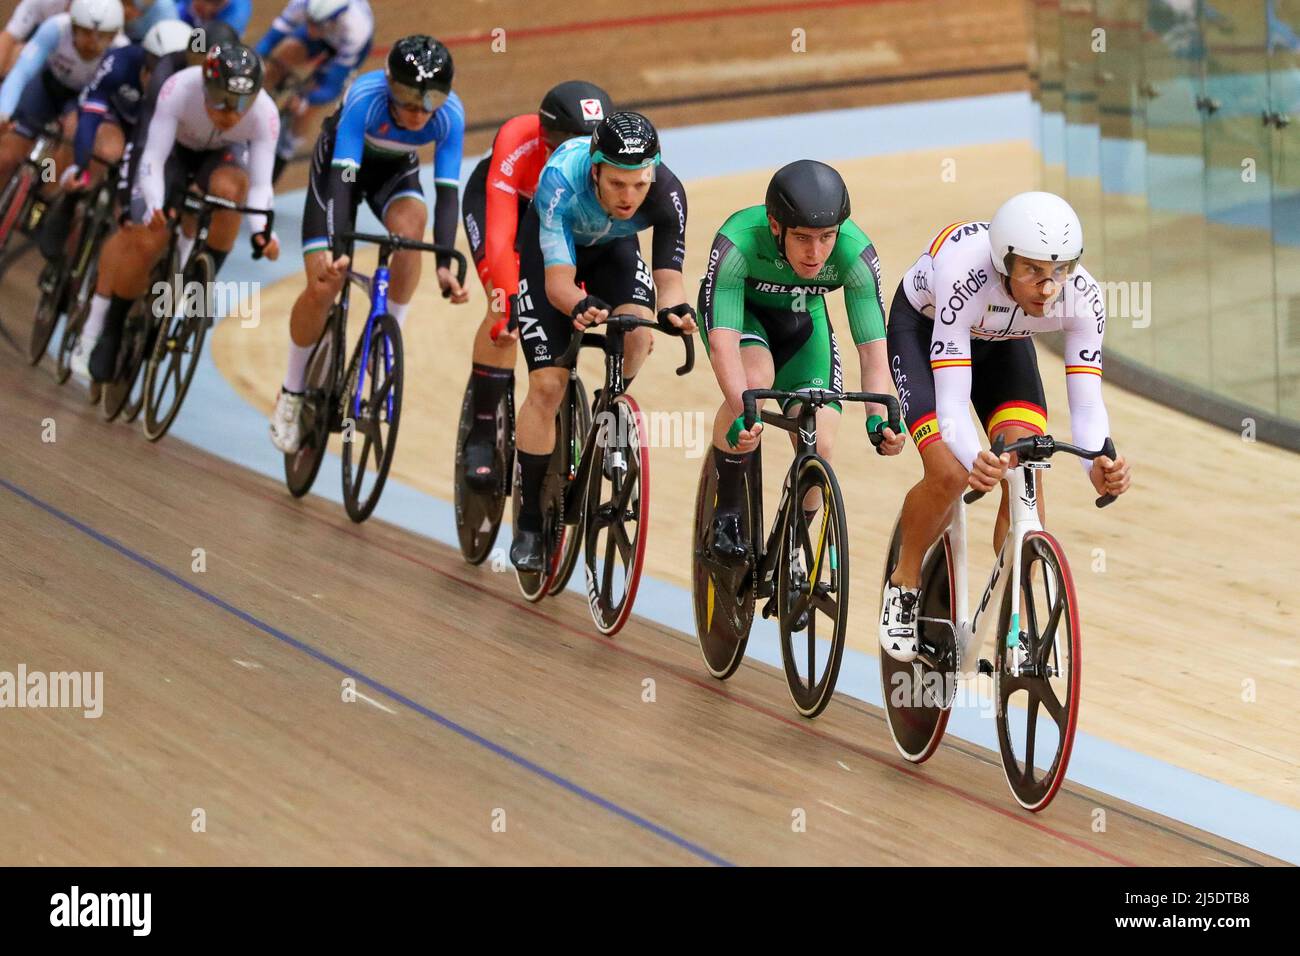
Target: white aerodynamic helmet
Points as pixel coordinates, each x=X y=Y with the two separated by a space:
x=102 y=16
x=318 y=11
x=167 y=36
x=1037 y=226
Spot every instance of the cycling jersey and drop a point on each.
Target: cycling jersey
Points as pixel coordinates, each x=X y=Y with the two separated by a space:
x=51 y=50
x=955 y=285
x=235 y=13
x=30 y=14
x=179 y=119
x=365 y=128
x=136 y=29
x=114 y=95
x=518 y=155
x=345 y=40
x=571 y=215
x=746 y=272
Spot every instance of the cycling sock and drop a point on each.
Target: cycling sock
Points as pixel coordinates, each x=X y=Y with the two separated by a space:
x=115 y=320
x=218 y=259
x=94 y=327
x=731 y=469
x=532 y=473
x=398 y=311
x=488 y=385
x=295 y=376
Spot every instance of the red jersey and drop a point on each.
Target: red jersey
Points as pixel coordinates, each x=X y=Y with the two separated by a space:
x=518 y=155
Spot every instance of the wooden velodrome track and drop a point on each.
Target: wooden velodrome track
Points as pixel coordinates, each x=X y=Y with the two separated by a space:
x=224 y=687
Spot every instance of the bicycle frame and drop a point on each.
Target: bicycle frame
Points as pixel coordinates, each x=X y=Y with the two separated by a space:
x=1022 y=487
x=377 y=287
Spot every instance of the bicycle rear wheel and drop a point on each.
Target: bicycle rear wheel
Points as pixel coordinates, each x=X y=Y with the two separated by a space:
x=319 y=412
x=616 y=516
x=177 y=349
x=374 y=418
x=79 y=309
x=723 y=596
x=918 y=695
x=478 y=513
x=569 y=538
x=1037 y=668
x=51 y=285
x=812 y=588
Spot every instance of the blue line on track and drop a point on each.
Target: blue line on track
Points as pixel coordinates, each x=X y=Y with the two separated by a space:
x=388 y=692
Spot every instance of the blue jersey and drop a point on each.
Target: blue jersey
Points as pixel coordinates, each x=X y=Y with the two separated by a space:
x=366 y=124
x=137 y=28
x=572 y=216
x=115 y=93
x=235 y=13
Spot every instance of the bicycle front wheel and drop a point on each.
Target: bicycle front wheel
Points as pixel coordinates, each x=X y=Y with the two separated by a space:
x=374 y=410
x=812 y=598
x=51 y=285
x=616 y=515
x=1037 y=669
x=175 y=355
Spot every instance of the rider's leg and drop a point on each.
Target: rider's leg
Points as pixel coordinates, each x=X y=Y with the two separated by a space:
x=534 y=442
x=406 y=217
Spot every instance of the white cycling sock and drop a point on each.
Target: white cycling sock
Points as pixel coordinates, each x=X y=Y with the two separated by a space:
x=398 y=311
x=94 y=326
x=295 y=378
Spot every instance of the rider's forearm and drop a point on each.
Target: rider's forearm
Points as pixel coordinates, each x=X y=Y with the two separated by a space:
x=670 y=290
x=562 y=288
x=873 y=362
x=445 y=218
x=728 y=368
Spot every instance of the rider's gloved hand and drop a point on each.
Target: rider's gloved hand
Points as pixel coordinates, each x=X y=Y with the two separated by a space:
x=590 y=310
x=678 y=318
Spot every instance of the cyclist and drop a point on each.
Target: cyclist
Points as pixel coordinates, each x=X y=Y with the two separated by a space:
x=496 y=198
x=331 y=37
x=109 y=106
x=766 y=328
x=592 y=199
x=143 y=15
x=107 y=112
x=367 y=149
x=140 y=17
x=204 y=13
x=27 y=17
x=212 y=126
x=960 y=332
x=54 y=67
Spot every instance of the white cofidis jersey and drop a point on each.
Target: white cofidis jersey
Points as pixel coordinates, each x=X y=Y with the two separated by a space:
x=179 y=117
x=955 y=284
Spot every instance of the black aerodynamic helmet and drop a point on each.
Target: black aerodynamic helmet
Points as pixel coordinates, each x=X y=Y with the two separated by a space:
x=575 y=107
x=807 y=193
x=232 y=77
x=627 y=140
x=420 y=71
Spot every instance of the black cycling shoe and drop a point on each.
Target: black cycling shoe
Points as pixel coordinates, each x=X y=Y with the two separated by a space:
x=725 y=539
x=103 y=359
x=526 y=551
x=480 y=464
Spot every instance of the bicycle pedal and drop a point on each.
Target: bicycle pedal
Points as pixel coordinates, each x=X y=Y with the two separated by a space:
x=769 y=609
x=986 y=667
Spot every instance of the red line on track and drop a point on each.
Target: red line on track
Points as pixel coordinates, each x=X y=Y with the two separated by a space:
x=616 y=23
x=710 y=686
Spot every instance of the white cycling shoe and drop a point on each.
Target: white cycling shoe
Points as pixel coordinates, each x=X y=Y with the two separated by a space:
x=898 y=623
x=79 y=361
x=286 y=422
